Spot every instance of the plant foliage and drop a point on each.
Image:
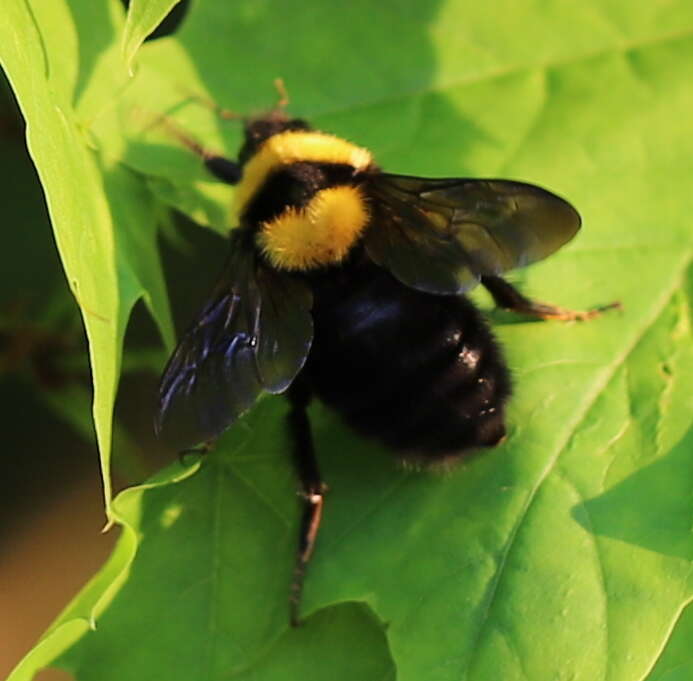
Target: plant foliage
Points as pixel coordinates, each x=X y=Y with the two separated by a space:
x=563 y=554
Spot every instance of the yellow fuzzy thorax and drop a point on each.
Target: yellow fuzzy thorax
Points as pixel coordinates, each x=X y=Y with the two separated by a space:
x=319 y=234
x=291 y=147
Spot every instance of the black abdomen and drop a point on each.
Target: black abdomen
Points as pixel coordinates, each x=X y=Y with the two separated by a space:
x=420 y=372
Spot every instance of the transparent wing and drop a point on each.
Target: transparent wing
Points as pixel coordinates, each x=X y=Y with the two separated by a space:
x=253 y=334
x=442 y=235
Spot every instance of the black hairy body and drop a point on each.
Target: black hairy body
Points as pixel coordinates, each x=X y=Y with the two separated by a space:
x=419 y=372
x=293 y=186
x=348 y=284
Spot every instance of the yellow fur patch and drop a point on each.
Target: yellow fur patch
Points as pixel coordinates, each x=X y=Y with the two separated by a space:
x=321 y=233
x=292 y=147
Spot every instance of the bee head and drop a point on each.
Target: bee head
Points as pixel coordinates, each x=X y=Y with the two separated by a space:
x=260 y=128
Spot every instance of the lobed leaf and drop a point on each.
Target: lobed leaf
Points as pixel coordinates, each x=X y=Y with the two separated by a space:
x=563 y=554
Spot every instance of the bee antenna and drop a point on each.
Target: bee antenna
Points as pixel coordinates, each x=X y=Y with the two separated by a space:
x=210 y=104
x=222 y=168
x=179 y=134
x=283 y=93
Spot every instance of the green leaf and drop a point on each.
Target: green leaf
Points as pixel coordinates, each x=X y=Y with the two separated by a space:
x=675 y=663
x=143 y=17
x=563 y=554
x=60 y=59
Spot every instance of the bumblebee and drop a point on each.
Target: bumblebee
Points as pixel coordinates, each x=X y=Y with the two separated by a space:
x=347 y=283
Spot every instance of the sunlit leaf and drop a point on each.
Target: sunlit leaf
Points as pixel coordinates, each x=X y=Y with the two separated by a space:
x=563 y=554
x=143 y=17
x=104 y=220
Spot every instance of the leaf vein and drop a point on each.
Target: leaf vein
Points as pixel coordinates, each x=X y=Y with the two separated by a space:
x=212 y=622
x=599 y=385
x=504 y=71
x=600 y=570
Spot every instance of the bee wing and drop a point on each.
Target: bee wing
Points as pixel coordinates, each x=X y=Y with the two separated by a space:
x=253 y=334
x=442 y=235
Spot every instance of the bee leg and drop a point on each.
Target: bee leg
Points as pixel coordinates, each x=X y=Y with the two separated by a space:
x=312 y=490
x=507 y=296
x=199 y=451
x=207 y=102
x=222 y=168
